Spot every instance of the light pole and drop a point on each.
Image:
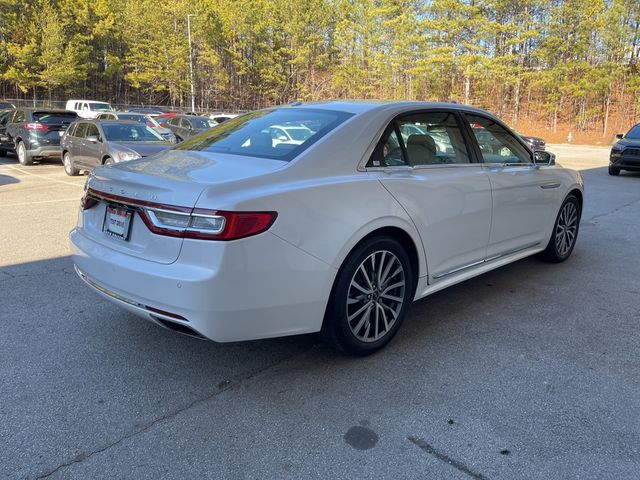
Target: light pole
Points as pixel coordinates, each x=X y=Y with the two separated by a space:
x=193 y=95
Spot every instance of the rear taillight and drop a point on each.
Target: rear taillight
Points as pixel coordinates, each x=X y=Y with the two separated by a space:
x=181 y=222
x=207 y=224
x=35 y=126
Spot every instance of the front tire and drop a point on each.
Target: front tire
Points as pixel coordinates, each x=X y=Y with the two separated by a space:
x=370 y=297
x=24 y=157
x=108 y=161
x=614 y=171
x=69 y=167
x=565 y=231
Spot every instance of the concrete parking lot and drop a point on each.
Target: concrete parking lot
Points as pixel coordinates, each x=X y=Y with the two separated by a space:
x=531 y=371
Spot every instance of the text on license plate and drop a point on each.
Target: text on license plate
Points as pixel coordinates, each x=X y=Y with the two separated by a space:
x=117 y=222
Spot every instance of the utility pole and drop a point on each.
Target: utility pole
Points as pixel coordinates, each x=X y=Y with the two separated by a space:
x=193 y=95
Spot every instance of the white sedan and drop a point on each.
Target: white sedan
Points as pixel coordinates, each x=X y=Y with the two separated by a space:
x=230 y=237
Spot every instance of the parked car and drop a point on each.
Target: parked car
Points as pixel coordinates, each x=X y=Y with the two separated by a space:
x=140 y=118
x=294 y=134
x=164 y=117
x=229 y=237
x=535 y=143
x=88 y=108
x=220 y=117
x=34 y=133
x=186 y=126
x=89 y=143
x=4 y=139
x=152 y=112
x=6 y=105
x=625 y=153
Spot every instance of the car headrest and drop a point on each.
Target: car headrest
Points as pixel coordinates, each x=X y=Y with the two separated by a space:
x=424 y=140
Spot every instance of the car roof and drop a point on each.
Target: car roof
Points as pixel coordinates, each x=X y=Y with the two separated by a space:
x=362 y=106
x=46 y=110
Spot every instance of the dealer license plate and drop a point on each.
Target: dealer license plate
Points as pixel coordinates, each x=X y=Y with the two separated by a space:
x=117 y=222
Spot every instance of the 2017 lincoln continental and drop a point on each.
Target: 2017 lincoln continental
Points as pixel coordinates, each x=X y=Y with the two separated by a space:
x=232 y=236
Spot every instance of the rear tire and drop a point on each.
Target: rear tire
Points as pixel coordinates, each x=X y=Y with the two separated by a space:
x=370 y=297
x=614 y=171
x=69 y=167
x=24 y=156
x=565 y=231
x=108 y=161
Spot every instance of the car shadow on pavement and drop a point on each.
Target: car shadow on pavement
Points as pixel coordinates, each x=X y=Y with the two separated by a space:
x=8 y=180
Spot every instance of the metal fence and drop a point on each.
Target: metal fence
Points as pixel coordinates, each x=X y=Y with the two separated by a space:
x=21 y=102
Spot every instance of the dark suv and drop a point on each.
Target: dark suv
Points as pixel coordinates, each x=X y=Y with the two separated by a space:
x=35 y=133
x=185 y=126
x=625 y=154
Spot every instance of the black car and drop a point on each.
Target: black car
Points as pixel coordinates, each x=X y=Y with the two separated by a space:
x=4 y=117
x=535 y=143
x=625 y=153
x=185 y=126
x=34 y=133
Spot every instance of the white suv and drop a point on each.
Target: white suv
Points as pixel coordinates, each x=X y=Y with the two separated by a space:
x=88 y=108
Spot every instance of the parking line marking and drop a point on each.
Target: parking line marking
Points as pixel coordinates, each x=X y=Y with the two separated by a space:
x=43 y=176
x=75 y=199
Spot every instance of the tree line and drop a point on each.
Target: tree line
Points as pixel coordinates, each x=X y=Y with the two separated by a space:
x=549 y=61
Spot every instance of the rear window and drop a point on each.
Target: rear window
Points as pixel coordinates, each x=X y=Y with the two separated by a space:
x=54 y=118
x=252 y=134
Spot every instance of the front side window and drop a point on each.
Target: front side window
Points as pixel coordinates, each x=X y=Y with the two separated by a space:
x=496 y=143
x=81 y=130
x=92 y=131
x=251 y=135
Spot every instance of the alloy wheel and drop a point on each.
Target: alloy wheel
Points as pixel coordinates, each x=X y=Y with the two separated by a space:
x=566 y=229
x=376 y=295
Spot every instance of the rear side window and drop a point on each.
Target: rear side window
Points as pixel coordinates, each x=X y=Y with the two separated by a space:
x=54 y=118
x=250 y=134
x=424 y=138
x=81 y=130
x=20 y=116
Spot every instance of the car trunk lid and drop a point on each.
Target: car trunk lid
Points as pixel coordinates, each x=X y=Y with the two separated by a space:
x=172 y=180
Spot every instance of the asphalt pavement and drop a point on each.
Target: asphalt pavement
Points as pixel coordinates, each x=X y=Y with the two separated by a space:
x=531 y=371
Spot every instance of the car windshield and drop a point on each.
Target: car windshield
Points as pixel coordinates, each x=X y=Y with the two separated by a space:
x=54 y=118
x=100 y=107
x=248 y=134
x=128 y=132
x=634 y=133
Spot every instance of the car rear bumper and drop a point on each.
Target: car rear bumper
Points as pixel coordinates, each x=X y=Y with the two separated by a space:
x=258 y=287
x=49 y=151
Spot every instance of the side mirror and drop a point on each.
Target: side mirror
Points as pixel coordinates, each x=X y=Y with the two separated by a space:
x=619 y=136
x=93 y=139
x=540 y=157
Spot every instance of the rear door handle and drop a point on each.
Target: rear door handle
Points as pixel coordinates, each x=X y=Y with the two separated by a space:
x=550 y=185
